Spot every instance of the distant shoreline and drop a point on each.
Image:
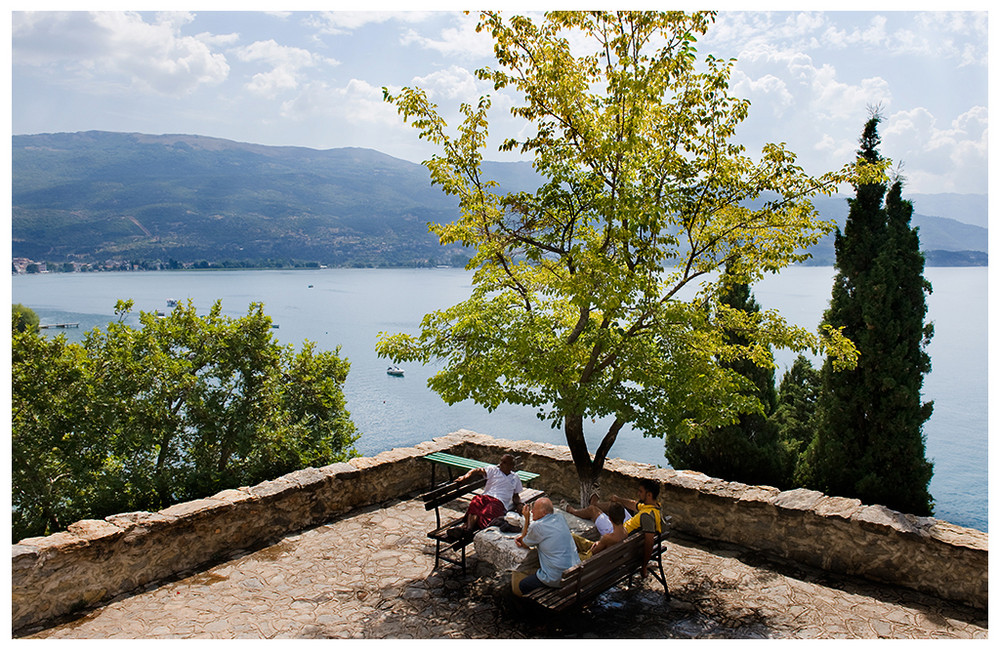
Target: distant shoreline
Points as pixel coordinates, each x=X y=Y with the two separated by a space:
x=934 y=259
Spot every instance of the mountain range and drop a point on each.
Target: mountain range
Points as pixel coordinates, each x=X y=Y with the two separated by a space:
x=93 y=196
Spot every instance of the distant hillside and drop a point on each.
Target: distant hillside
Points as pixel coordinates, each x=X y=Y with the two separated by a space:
x=967 y=208
x=96 y=195
x=945 y=241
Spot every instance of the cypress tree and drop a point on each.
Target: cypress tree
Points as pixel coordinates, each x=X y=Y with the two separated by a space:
x=795 y=414
x=869 y=441
x=748 y=450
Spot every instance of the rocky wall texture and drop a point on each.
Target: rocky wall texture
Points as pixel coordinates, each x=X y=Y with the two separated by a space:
x=96 y=560
x=833 y=533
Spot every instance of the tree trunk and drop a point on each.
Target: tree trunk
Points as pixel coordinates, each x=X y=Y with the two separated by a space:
x=585 y=468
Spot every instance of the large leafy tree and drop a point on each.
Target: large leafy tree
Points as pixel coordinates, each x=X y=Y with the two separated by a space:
x=184 y=405
x=869 y=440
x=23 y=318
x=596 y=296
x=54 y=464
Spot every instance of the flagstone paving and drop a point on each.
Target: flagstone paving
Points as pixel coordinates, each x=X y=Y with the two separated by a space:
x=370 y=574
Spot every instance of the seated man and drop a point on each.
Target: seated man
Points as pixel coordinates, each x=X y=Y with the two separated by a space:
x=597 y=512
x=501 y=493
x=646 y=517
x=554 y=549
x=616 y=516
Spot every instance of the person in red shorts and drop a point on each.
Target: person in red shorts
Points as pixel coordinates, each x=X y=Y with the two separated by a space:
x=501 y=493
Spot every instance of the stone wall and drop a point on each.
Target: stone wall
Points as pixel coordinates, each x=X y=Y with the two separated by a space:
x=96 y=560
x=833 y=533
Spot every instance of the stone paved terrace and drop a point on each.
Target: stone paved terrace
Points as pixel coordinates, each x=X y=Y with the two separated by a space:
x=369 y=574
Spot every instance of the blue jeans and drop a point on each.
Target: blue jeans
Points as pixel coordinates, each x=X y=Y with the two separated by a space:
x=530 y=583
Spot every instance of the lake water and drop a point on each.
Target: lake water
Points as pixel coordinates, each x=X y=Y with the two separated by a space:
x=349 y=307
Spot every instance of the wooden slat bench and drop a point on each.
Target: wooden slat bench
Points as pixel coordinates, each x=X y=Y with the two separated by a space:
x=445 y=493
x=584 y=582
x=452 y=461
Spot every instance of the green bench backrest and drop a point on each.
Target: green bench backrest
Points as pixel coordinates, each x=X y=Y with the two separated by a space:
x=468 y=463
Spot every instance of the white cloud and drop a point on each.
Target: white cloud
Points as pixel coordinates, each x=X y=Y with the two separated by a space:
x=767 y=90
x=958 y=36
x=461 y=40
x=922 y=34
x=748 y=30
x=286 y=64
x=835 y=100
x=345 y=22
x=357 y=102
x=150 y=56
x=453 y=82
x=174 y=19
x=871 y=35
x=950 y=159
x=217 y=40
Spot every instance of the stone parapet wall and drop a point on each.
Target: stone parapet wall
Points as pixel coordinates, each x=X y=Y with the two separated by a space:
x=832 y=533
x=96 y=560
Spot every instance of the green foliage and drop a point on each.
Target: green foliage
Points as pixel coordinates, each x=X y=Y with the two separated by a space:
x=748 y=450
x=594 y=296
x=191 y=198
x=794 y=415
x=179 y=408
x=54 y=465
x=869 y=441
x=23 y=318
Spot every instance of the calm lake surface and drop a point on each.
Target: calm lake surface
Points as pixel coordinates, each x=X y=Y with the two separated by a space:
x=349 y=307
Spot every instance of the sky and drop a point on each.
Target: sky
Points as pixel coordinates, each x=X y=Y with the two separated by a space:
x=315 y=78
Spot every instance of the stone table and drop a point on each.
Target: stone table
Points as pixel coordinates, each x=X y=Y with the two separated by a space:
x=501 y=552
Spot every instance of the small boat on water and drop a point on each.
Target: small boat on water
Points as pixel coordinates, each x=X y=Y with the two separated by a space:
x=171 y=303
x=395 y=371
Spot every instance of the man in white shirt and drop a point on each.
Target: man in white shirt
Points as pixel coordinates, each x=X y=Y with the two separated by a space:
x=501 y=494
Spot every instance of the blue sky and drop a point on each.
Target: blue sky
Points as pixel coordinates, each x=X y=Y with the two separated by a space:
x=314 y=78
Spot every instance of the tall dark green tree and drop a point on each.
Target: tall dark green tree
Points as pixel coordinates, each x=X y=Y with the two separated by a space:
x=748 y=450
x=795 y=415
x=869 y=440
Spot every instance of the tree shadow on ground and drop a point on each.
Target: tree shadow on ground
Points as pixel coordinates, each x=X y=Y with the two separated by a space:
x=480 y=604
x=935 y=609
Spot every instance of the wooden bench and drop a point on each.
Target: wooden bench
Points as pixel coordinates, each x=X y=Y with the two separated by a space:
x=445 y=493
x=585 y=581
x=452 y=461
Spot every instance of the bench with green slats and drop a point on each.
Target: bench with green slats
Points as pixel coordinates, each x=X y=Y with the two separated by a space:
x=458 y=462
x=450 y=491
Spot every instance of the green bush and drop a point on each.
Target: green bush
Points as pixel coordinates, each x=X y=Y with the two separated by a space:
x=178 y=409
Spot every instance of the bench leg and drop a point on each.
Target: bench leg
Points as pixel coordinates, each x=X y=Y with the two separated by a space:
x=663 y=579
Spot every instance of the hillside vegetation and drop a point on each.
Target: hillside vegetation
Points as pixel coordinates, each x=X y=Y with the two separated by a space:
x=96 y=196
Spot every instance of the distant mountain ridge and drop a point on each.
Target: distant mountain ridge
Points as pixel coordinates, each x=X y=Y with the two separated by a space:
x=95 y=195
x=945 y=241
